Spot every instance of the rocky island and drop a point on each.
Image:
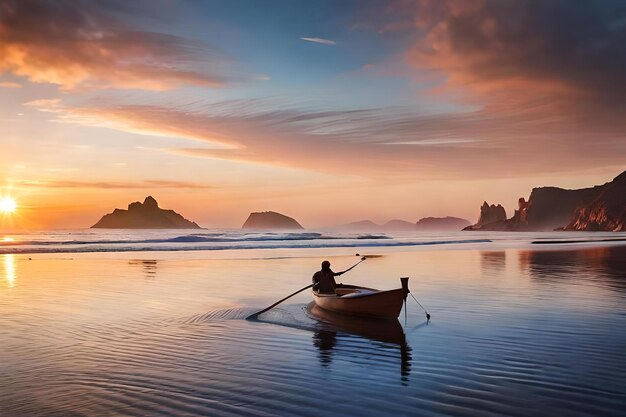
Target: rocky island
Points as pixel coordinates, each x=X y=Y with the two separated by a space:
x=144 y=216
x=270 y=220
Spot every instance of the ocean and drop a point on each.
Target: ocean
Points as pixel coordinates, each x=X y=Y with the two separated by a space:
x=152 y=323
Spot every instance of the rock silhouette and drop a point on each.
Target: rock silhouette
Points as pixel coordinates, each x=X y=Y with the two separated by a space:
x=270 y=220
x=492 y=217
x=144 y=216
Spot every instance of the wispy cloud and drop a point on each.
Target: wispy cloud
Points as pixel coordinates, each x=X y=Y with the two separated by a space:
x=8 y=84
x=435 y=142
x=148 y=184
x=320 y=40
x=487 y=142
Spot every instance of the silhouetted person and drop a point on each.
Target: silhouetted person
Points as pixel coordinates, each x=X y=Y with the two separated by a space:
x=324 y=279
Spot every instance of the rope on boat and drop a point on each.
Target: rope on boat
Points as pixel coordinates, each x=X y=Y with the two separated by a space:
x=418 y=303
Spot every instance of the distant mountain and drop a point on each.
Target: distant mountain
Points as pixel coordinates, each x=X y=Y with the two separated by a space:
x=599 y=208
x=270 y=220
x=607 y=212
x=397 y=225
x=360 y=226
x=144 y=216
x=441 y=224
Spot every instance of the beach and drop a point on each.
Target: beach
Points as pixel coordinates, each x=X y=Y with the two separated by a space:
x=516 y=329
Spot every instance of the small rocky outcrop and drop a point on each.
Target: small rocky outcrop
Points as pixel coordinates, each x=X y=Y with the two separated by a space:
x=441 y=224
x=607 y=212
x=146 y=215
x=270 y=220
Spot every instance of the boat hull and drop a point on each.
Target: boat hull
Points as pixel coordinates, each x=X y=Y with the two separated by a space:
x=362 y=302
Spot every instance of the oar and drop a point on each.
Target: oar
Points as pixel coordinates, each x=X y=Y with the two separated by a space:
x=258 y=313
x=362 y=259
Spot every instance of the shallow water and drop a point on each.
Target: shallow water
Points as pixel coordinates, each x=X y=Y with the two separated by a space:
x=514 y=332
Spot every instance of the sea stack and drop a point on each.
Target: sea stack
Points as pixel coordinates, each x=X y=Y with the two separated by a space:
x=144 y=216
x=492 y=217
x=270 y=220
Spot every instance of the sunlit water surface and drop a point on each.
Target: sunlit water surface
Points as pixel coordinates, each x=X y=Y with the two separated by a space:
x=514 y=332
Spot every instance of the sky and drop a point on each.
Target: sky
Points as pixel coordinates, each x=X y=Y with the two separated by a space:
x=327 y=111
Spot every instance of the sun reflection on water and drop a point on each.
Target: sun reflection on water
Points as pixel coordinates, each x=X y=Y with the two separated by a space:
x=9 y=270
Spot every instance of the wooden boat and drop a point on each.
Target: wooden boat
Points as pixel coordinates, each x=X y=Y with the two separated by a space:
x=364 y=302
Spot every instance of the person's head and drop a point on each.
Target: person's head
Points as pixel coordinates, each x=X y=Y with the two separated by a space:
x=325 y=266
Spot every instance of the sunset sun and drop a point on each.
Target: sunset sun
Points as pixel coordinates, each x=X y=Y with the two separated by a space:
x=7 y=205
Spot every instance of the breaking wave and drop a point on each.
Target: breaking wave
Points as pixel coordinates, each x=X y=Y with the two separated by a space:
x=128 y=241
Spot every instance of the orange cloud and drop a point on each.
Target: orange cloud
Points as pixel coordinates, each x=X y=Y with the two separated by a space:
x=80 y=45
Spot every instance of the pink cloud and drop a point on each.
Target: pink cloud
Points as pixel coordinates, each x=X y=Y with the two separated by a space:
x=493 y=47
x=80 y=45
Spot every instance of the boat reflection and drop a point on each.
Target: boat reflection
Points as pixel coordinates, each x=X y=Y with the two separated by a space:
x=389 y=332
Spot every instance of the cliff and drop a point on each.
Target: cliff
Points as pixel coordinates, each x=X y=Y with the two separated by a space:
x=441 y=224
x=607 y=212
x=599 y=208
x=144 y=216
x=550 y=208
x=270 y=220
